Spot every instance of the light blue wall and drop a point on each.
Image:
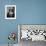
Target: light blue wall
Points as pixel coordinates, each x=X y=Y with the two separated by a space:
x=31 y=11
x=27 y=12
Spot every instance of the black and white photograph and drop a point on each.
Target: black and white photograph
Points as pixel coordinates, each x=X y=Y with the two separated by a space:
x=10 y=11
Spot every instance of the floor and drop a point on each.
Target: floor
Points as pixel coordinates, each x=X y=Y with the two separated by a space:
x=32 y=43
x=7 y=45
x=28 y=43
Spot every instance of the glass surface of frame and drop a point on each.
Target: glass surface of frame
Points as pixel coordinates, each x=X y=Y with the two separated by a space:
x=10 y=11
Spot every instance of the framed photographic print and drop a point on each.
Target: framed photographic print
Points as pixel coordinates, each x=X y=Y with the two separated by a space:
x=10 y=11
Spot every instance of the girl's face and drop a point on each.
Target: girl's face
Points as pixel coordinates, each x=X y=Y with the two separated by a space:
x=10 y=12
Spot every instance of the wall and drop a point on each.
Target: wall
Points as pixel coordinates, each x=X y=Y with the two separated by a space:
x=27 y=12
x=31 y=11
x=6 y=26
